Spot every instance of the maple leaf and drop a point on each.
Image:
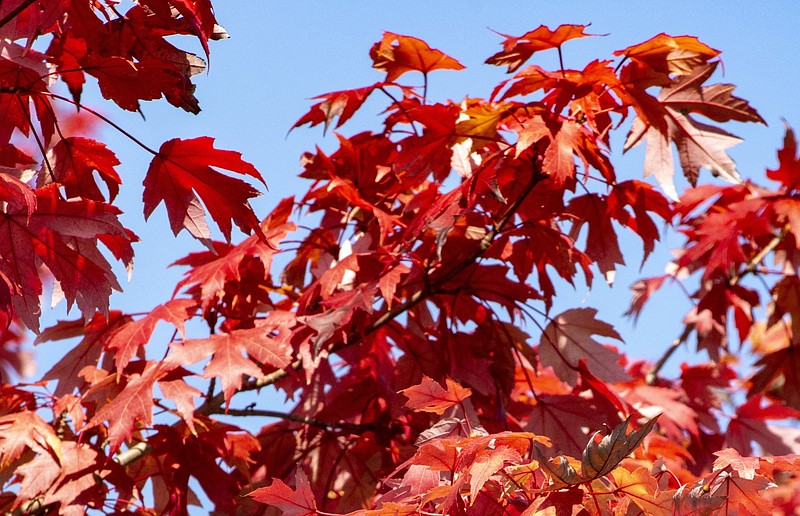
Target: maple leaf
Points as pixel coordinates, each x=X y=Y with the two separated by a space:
x=396 y=54
x=342 y=104
x=742 y=495
x=640 y=198
x=678 y=55
x=429 y=396
x=517 y=50
x=299 y=501
x=267 y=343
x=61 y=235
x=132 y=335
x=182 y=171
x=699 y=145
x=642 y=290
x=73 y=162
x=134 y=403
x=750 y=425
x=745 y=467
x=642 y=489
x=95 y=334
x=73 y=483
x=487 y=464
x=601 y=242
x=568 y=339
x=788 y=171
x=26 y=430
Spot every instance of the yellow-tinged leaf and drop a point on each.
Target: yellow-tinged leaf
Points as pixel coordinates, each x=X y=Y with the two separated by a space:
x=392 y=509
x=642 y=489
x=670 y=54
x=480 y=122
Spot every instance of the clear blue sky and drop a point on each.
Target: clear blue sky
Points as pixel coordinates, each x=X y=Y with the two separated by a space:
x=282 y=53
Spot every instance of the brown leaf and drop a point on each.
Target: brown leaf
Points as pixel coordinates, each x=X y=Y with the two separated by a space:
x=604 y=453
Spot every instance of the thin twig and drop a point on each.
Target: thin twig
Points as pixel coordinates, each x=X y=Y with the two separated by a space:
x=652 y=375
x=213 y=405
x=104 y=119
x=755 y=260
x=341 y=425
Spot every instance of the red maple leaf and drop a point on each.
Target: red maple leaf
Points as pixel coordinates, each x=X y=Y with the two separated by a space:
x=788 y=171
x=602 y=246
x=429 y=396
x=699 y=145
x=396 y=54
x=132 y=404
x=293 y=502
x=750 y=425
x=517 y=50
x=26 y=430
x=74 y=161
x=182 y=171
x=341 y=104
x=131 y=336
x=666 y=54
x=267 y=343
x=62 y=236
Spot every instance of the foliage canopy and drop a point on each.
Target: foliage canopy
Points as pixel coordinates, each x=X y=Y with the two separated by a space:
x=412 y=327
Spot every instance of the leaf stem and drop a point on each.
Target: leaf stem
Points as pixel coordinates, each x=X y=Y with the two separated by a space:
x=106 y=120
x=401 y=108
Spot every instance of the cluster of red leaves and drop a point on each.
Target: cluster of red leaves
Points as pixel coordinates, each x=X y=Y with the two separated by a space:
x=395 y=327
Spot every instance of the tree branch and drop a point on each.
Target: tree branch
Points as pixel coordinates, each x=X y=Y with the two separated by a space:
x=755 y=260
x=214 y=404
x=133 y=453
x=341 y=425
x=652 y=375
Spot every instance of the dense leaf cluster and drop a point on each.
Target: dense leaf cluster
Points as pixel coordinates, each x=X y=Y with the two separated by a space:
x=399 y=326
